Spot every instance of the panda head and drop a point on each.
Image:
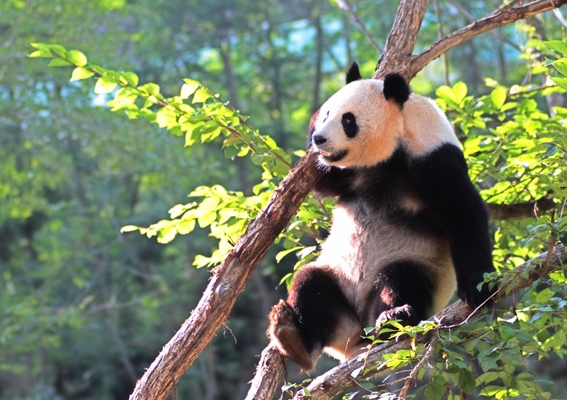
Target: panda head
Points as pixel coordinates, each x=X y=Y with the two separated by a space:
x=361 y=124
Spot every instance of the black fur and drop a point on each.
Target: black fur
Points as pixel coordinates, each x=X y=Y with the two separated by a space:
x=396 y=87
x=319 y=305
x=442 y=180
x=353 y=73
x=409 y=284
x=349 y=124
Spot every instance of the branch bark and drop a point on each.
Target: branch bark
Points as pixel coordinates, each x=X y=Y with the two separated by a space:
x=340 y=378
x=519 y=210
x=228 y=280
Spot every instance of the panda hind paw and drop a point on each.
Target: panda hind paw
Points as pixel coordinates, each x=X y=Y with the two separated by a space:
x=285 y=335
x=405 y=314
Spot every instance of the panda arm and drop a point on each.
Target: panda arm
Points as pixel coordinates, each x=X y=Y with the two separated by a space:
x=442 y=180
x=335 y=182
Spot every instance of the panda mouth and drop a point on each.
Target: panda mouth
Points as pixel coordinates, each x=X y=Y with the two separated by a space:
x=333 y=157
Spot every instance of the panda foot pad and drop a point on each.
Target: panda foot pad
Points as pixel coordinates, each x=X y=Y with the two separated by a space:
x=285 y=335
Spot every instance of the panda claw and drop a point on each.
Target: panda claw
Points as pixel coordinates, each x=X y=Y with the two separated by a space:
x=405 y=314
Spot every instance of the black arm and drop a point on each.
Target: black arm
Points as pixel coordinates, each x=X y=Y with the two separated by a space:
x=442 y=179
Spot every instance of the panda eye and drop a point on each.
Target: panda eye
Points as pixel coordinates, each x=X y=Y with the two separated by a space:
x=348 y=119
x=349 y=124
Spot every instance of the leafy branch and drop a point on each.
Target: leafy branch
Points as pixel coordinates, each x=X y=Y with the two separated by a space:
x=203 y=120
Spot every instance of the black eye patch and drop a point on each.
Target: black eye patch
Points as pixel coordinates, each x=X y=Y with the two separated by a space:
x=349 y=124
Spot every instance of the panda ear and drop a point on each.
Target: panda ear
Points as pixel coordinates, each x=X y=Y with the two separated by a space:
x=396 y=87
x=353 y=73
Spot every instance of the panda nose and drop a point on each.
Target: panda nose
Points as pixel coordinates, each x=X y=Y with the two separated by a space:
x=318 y=140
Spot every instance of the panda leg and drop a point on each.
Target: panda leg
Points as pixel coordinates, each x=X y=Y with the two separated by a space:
x=315 y=315
x=403 y=292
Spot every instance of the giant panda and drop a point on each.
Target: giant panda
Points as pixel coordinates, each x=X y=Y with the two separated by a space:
x=408 y=225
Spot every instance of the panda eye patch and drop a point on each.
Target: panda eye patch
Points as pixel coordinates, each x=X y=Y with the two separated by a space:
x=349 y=124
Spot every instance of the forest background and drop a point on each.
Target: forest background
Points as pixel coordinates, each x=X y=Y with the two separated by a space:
x=84 y=308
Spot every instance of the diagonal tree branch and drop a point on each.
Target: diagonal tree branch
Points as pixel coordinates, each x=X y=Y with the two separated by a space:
x=495 y=20
x=228 y=280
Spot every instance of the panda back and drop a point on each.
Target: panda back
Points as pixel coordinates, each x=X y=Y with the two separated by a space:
x=426 y=128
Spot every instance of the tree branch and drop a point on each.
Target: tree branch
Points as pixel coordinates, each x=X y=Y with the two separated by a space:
x=267 y=377
x=402 y=38
x=349 y=9
x=519 y=210
x=500 y=18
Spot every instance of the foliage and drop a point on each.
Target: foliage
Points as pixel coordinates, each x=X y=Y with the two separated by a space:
x=86 y=309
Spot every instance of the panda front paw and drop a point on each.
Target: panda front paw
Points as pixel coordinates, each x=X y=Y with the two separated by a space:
x=473 y=297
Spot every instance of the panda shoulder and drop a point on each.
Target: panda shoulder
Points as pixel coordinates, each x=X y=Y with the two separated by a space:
x=426 y=128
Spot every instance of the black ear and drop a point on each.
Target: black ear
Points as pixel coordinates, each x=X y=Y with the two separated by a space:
x=353 y=74
x=396 y=87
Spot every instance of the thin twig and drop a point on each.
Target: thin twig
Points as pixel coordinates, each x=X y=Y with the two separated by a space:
x=413 y=374
x=349 y=9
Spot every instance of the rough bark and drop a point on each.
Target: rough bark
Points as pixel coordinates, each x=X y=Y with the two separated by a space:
x=398 y=54
x=228 y=280
x=267 y=378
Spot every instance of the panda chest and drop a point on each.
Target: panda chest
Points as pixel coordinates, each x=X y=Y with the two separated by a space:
x=378 y=225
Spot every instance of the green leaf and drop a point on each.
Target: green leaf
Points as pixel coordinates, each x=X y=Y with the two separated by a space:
x=284 y=253
x=561 y=66
x=42 y=51
x=129 y=228
x=81 y=73
x=130 y=78
x=150 y=88
x=560 y=81
x=544 y=296
x=189 y=88
x=59 y=62
x=77 y=58
x=557 y=45
x=436 y=389
x=498 y=96
x=460 y=92
x=102 y=86
x=446 y=93
x=201 y=95
x=466 y=381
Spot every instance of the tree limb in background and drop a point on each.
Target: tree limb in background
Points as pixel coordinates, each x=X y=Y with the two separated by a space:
x=495 y=20
x=348 y=8
x=519 y=210
x=228 y=280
